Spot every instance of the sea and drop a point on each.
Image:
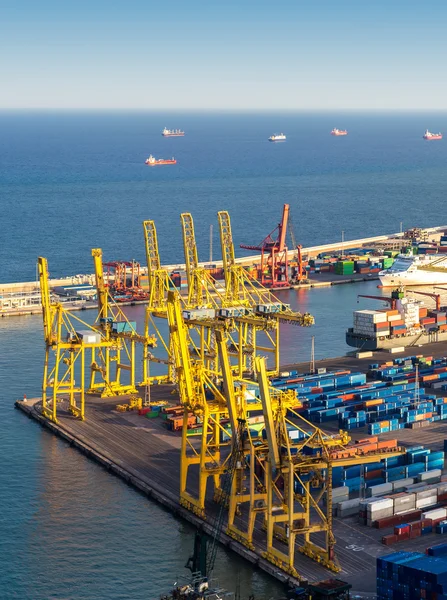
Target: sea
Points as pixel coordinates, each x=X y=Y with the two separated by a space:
x=70 y=182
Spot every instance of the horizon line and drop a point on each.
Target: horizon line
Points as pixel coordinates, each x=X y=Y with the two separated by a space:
x=216 y=109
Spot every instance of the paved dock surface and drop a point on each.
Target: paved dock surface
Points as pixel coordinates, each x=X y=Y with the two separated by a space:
x=144 y=453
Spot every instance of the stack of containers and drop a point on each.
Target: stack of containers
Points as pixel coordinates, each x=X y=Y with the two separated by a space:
x=409 y=309
x=397 y=324
x=371 y=323
x=378 y=508
x=411 y=576
x=344 y=267
x=440 y=319
x=394 y=474
x=387 y=262
x=180 y=279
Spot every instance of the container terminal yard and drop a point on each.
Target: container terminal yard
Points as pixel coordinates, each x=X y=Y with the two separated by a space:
x=308 y=471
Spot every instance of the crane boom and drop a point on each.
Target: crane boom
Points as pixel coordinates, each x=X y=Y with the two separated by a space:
x=100 y=286
x=152 y=255
x=47 y=308
x=178 y=337
x=282 y=228
x=390 y=301
x=189 y=246
x=227 y=378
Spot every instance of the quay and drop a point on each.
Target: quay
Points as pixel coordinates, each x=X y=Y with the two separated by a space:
x=311 y=251
x=146 y=456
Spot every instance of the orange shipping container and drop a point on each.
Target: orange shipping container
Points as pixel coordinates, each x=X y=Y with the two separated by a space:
x=429 y=377
x=400 y=322
x=374 y=402
x=369 y=440
x=387 y=445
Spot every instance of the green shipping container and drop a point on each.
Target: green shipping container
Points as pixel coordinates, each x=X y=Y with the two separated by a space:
x=152 y=414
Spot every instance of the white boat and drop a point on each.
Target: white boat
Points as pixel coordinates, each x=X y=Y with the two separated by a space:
x=172 y=133
x=418 y=269
x=277 y=137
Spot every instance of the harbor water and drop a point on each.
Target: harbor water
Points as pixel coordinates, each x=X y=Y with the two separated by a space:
x=68 y=529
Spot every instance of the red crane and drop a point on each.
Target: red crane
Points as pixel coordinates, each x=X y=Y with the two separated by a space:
x=436 y=297
x=274 y=259
x=396 y=295
x=391 y=301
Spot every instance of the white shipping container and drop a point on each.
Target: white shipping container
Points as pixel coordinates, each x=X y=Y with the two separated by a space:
x=431 y=491
x=437 y=513
x=349 y=504
x=381 y=504
x=428 y=501
x=430 y=474
x=379 y=490
x=404 y=503
x=371 y=315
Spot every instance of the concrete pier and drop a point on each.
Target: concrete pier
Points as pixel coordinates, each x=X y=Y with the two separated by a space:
x=146 y=455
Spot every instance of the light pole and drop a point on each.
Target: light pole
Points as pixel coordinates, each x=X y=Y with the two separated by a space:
x=342 y=243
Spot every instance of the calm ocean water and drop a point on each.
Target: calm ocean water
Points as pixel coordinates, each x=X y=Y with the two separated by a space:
x=68 y=530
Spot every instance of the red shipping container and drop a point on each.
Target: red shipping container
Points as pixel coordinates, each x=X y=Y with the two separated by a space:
x=428 y=321
x=373 y=474
x=388 y=540
x=379 y=326
x=402 y=531
x=415 y=533
x=386 y=522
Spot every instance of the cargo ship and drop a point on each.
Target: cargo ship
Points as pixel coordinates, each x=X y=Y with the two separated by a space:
x=415 y=269
x=277 y=137
x=172 y=133
x=432 y=136
x=339 y=132
x=407 y=322
x=152 y=162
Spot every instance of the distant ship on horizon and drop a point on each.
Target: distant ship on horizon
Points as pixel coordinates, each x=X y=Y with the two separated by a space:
x=152 y=161
x=339 y=132
x=172 y=133
x=277 y=137
x=432 y=136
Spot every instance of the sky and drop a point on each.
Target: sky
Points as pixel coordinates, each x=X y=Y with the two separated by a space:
x=223 y=54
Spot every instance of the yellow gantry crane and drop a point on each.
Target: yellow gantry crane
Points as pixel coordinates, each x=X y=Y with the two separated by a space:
x=298 y=478
x=279 y=482
x=69 y=344
x=200 y=284
x=199 y=396
x=118 y=356
x=257 y=309
x=159 y=285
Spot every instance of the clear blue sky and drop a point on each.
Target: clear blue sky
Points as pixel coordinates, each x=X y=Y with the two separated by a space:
x=233 y=54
